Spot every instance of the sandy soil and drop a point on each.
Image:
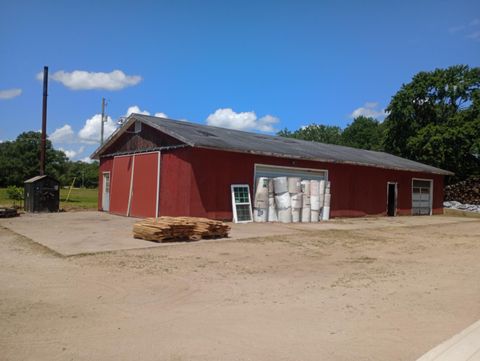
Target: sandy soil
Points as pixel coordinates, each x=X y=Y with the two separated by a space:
x=388 y=293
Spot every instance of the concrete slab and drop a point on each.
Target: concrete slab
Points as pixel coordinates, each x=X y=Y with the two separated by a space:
x=465 y=346
x=73 y=233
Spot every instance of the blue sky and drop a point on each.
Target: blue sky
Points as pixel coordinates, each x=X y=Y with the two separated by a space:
x=253 y=65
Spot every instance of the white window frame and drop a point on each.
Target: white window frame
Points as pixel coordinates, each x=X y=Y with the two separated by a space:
x=431 y=193
x=234 y=204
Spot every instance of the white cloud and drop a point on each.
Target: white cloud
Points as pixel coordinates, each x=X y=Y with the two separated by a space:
x=90 y=133
x=136 y=109
x=370 y=109
x=227 y=118
x=87 y=160
x=470 y=30
x=70 y=153
x=62 y=135
x=85 y=80
x=10 y=93
x=161 y=115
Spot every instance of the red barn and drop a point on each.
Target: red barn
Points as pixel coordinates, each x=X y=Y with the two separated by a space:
x=154 y=166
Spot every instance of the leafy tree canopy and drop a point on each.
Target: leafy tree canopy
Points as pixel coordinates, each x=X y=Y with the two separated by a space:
x=19 y=160
x=435 y=119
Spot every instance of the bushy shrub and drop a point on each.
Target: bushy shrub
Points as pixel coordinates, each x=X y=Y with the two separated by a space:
x=15 y=193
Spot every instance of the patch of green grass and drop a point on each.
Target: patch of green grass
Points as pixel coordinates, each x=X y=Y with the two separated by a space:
x=80 y=198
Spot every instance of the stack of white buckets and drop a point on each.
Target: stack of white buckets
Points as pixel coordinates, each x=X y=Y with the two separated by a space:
x=291 y=199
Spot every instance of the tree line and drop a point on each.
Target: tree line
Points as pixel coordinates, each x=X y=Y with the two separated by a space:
x=19 y=161
x=434 y=119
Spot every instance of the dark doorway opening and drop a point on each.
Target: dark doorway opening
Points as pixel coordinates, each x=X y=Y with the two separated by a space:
x=392 y=199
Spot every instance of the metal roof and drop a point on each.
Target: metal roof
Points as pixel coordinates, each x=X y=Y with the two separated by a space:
x=204 y=136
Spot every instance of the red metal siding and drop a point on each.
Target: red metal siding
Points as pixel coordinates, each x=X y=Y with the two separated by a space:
x=196 y=182
x=120 y=184
x=144 y=194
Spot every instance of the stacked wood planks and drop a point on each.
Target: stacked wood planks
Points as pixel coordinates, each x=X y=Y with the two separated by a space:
x=165 y=229
x=466 y=192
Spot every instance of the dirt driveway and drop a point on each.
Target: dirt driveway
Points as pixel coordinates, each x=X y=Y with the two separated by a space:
x=352 y=293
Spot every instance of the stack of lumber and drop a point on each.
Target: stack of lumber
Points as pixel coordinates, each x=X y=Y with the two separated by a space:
x=164 y=229
x=466 y=192
x=8 y=212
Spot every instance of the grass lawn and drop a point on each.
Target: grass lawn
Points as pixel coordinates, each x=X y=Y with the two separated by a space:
x=80 y=198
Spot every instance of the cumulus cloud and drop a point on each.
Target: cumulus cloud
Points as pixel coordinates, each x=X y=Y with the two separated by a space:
x=10 y=93
x=70 y=153
x=62 y=135
x=136 y=109
x=85 y=80
x=370 y=109
x=227 y=118
x=90 y=133
x=87 y=160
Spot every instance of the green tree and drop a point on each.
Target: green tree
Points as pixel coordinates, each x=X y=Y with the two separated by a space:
x=19 y=160
x=364 y=133
x=436 y=119
x=316 y=132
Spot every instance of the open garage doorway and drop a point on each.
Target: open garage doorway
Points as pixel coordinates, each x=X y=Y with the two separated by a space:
x=391 y=199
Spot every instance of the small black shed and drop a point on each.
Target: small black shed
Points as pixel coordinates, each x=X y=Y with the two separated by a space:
x=42 y=194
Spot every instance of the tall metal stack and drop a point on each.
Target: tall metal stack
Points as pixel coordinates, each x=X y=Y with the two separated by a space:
x=260 y=209
x=295 y=190
x=282 y=199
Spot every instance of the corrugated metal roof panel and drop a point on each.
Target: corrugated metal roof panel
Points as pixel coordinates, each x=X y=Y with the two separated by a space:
x=204 y=136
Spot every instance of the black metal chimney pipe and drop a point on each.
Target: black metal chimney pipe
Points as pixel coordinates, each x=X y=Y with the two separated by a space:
x=43 y=144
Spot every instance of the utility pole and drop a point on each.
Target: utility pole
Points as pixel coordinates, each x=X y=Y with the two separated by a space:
x=102 y=121
x=43 y=142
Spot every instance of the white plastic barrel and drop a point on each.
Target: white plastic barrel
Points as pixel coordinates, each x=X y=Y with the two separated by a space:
x=305 y=185
x=306 y=200
x=284 y=215
x=328 y=198
x=321 y=185
x=296 y=200
x=315 y=202
x=321 y=200
x=272 y=210
x=326 y=214
x=327 y=188
x=259 y=215
x=261 y=191
x=296 y=215
x=306 y=214
x=270 y=186
x=283 y=200
x=260 y=202
x=280 y=185
x=294 y=185
x=314 y=185
x=314 y=215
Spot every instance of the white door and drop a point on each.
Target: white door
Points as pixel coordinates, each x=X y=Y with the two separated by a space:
x=106 y=192
x=421 y=197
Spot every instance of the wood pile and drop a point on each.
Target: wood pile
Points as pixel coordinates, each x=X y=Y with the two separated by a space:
x=164 y=229
x=466 y=192
x=8 y=212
